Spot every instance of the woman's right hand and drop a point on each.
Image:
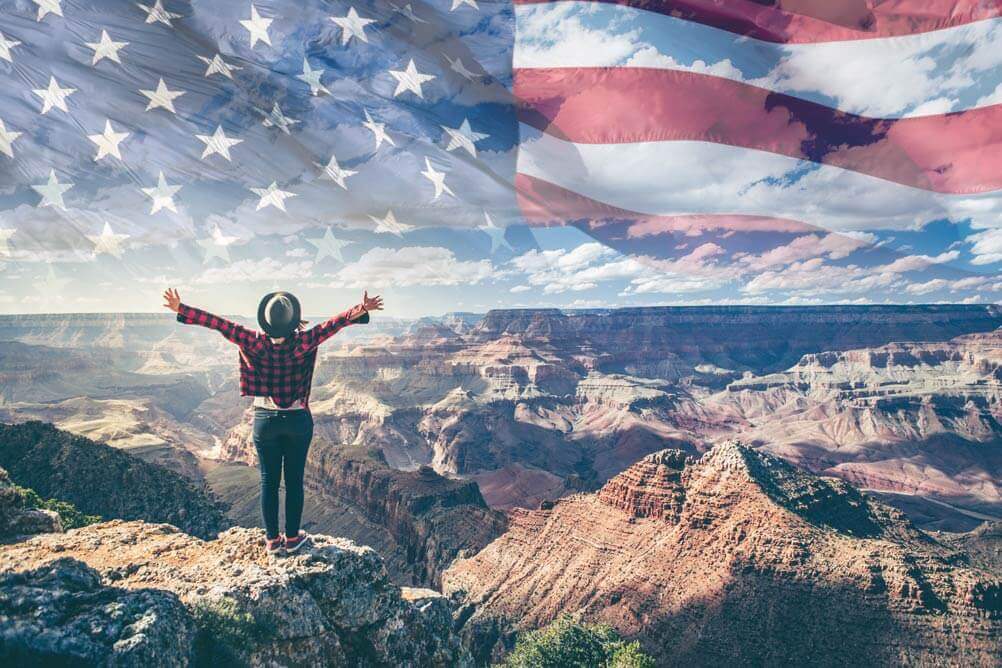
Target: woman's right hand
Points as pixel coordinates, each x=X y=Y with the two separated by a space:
x=172 y=299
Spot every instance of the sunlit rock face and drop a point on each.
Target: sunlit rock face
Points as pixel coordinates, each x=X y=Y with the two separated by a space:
x=734 y=557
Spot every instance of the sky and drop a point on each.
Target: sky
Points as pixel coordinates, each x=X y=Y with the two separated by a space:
x=410 y=110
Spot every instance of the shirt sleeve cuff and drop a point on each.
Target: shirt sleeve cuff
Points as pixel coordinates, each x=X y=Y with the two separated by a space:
x=359 y=315
x=182 y=315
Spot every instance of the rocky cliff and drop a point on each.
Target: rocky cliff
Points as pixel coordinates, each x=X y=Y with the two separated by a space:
x=131 y=593
x=100 y=480
x=736 y=558
x=19 y=517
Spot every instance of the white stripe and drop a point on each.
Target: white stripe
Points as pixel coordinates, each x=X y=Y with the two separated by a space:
x=691 y=177
x=913 y=75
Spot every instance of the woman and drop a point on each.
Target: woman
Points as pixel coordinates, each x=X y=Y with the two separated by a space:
x=276 y=368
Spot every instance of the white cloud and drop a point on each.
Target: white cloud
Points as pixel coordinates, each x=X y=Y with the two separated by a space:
x=919 y=262
x=411 y=266
x=265 y=269
x=986 y=246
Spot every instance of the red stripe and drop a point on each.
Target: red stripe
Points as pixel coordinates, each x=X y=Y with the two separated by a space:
x=544 y=204
x=947 y=153
x=806 y=21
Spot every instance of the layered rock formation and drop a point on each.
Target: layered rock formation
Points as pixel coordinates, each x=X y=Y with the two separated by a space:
x=100 y=480
x=131 y=593
x=736 y=558
x=418 y=520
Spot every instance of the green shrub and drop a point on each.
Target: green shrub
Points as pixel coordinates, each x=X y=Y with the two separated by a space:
x=225 y=632
x=70 y=517
x=569 y=644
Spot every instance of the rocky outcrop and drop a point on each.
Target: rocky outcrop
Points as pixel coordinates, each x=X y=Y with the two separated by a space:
x=131 y=593
x=19 y=518
x=735 y=558
x=100 y=480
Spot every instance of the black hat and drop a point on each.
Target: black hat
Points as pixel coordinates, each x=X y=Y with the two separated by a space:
x=279 y=314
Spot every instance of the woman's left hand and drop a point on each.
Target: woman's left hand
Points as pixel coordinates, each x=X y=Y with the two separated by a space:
x=372 y=303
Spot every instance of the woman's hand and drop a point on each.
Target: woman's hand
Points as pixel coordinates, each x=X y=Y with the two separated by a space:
x=172 y=299
x=372 y=303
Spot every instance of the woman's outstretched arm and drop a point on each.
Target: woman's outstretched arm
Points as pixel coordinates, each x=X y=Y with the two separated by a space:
x=359 y=313
x=189 y=315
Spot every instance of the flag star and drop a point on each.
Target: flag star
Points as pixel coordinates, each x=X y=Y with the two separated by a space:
x=378 y=129
x=497 y=234
x=456 y=4
x=276 y=119
x=459 y=68
x=335 y=173
x=5 y=46
x=108 y=242
x=53 y=96
x=5 y=234
x=162 y=195
x=327 y=246
x=410 y=80
x=463 y=137
x=48 y=7
x=352 y=25
x=217 y=245
x=157 y=13
x=162 y=97
x=106 y=48
x=437 y=179
x=312 y=77
x=107 y=143
x=408 y=12
x=7 y=138
x=390 y=225
x=272 y=196
x=257 y=26
x=218 y=142
x=52 y=192
x=218 y=66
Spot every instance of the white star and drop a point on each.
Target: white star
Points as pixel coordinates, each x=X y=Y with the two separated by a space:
x=7 y=137
x=107 y=143
x=157 y=13
x=276 y=119
x=257 y=26
x=217 y=142
x=463 y=137
x=334 y=172
x=390 y=225
x=352 y=25
x=408 y=12
x=162 y=97
x=437 y=179
x=459 y=68
x=108 y=242
x=216 y=246
x=218 y=66
x=312 y=77
x=162 y=195
x=410 y=80
x=52 y=192
x=272 y=196
x=48 y=7
x=53 y=96
x=378 y=129
x=456 y=4
x=5 y=46
x=497 y=234
x=327 y=246
x=106 y=48
x=5 y=234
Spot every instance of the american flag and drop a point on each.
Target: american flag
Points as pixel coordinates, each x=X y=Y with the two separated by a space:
x=707 y=140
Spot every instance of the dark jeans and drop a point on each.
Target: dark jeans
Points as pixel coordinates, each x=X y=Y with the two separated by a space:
x=282 y=439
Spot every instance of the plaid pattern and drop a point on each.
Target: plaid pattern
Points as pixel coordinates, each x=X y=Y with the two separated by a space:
x=282 y=371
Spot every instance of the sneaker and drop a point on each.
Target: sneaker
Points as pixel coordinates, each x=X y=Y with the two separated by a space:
x=293 y=544
x=275 y=545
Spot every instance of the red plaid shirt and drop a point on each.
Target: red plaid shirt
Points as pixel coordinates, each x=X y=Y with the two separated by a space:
x=282 y=371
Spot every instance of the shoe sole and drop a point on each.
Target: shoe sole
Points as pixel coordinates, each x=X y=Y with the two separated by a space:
x=293 y=550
